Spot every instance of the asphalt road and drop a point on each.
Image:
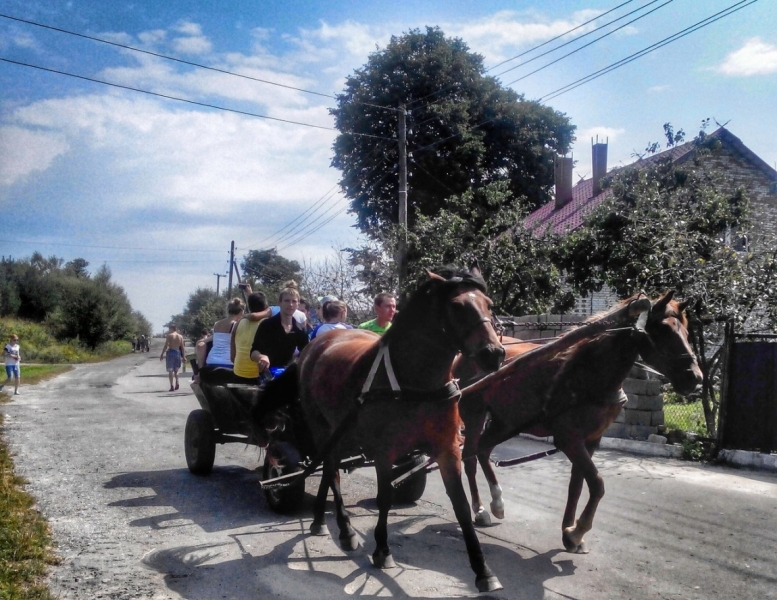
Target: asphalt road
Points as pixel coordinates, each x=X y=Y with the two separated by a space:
x=102 y=448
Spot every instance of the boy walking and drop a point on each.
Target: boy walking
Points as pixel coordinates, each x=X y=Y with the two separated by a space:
x=13 y=361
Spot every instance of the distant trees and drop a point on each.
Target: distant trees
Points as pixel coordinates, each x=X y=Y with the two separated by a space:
x=73 y=303
x=203 y=308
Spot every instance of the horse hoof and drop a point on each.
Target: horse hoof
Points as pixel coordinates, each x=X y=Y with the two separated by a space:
x=499 y=511
x=319 y=529
x=483 y=519
x=571 y=545
x=349 y=542
x=488 y=584
x=383 y=561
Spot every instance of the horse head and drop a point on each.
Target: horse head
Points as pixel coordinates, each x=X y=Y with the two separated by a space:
x=666 y=348
x=463 y=313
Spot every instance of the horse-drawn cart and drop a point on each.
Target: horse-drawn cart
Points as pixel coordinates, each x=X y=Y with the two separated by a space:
x=224 y=417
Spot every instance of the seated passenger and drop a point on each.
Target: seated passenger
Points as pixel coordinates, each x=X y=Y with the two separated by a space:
x=334 y=313
x=218 y=364
x=243 y=338
x=279 y=338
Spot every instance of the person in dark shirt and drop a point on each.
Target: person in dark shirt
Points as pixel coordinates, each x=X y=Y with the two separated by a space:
x=278 y=338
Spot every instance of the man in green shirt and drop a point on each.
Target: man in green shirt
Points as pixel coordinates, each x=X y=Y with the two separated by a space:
x=385 y=309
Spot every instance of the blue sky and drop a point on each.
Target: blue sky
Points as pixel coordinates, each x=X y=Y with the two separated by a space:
x=157 y=189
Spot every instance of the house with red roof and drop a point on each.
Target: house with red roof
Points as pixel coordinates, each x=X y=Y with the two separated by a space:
x=738 y=165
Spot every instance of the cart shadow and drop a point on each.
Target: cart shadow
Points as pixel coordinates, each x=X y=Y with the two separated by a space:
x=227 y=498
x=433 y=557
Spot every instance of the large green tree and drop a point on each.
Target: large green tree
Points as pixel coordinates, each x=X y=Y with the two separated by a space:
x=465 y=131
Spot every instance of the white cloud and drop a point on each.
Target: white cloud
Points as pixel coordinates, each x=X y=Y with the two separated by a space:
x=188 y=28
x=503 y=34
x=192 y=45
x=659 y=88
x=27 y=151
x=754 y=58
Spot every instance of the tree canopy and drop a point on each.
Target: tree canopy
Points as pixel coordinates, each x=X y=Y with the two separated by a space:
x=72 y=302
x=465 y=132
x=266 y=271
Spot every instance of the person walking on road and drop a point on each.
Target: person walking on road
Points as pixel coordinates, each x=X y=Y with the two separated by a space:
x=176 y=350
x=385 y=308
x=13 y=361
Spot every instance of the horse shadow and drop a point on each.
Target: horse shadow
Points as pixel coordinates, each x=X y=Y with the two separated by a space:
x=229 y=499
x=426 y=559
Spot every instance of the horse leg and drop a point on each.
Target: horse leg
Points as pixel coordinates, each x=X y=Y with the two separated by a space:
x=471 y=440
x=497 y=504
x=382 y=558
x=318 y=526
x=450 y=469
x=583 y=469
x=347 y=537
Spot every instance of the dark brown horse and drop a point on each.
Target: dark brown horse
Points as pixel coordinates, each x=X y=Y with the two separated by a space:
x=409 y=400
x=571 y=389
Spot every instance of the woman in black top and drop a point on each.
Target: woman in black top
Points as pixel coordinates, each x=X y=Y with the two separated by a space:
x=278 y=337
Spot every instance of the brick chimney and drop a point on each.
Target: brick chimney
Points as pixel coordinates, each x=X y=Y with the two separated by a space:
x=562 y=171
x=599 y=164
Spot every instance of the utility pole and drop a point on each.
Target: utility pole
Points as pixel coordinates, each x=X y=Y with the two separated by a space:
x=402 y=249
x=218 y=280
x=231 y=264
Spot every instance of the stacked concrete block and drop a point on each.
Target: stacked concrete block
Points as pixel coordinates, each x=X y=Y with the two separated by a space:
x=643 y=413
x=541 y=327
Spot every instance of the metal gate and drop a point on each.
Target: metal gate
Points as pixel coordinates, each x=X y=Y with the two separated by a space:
x=749 y=411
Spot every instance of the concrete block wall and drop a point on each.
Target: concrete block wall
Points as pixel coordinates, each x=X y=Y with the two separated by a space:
x=536 y=327
x=643 y=413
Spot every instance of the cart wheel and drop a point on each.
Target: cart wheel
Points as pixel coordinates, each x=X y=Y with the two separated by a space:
x=413 y=487
x=282 y=458
x=200 y=442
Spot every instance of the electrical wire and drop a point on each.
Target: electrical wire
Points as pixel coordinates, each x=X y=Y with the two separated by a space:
x=584 y=46
x=112 y=247
x=182 y=61
x=647 y=50
x=595 y=75
x=194 y=102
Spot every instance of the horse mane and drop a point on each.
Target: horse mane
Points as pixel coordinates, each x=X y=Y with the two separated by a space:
x=609 y=312
x=420 y=301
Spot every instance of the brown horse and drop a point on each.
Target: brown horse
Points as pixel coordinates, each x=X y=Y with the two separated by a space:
x=389 y=396
x=571 y=389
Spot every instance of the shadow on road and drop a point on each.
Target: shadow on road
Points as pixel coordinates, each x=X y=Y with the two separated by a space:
x=229 y=498
x=293 y=570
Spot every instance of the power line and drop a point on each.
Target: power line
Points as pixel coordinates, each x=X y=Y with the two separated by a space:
x=595 y=75
x=537 y=47
x=204 y=104
x=530 y=50
x=182 y=61
x=111 y=247
x=590 y=43
x=667 y=40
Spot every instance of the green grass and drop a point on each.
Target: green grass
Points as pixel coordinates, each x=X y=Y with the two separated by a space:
x=25 y=540
x=39 y=346
x=685 y=417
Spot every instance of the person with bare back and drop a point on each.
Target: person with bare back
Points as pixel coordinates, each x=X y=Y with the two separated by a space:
x=176 y=349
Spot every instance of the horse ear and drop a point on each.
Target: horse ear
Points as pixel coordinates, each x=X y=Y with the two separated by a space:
x=684 y=304
x=474 y=268
x=661 y=303
x=434 y=276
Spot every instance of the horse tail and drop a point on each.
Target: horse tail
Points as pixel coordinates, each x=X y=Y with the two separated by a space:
x=275 y=394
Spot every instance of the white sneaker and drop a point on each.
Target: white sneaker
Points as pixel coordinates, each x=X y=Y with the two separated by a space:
x=16 y=394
